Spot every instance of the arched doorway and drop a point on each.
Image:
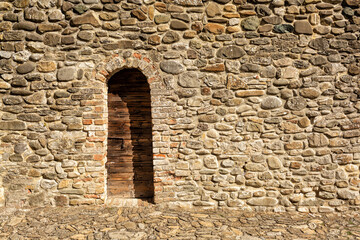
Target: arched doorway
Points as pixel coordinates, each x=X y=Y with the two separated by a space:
x=129 y=152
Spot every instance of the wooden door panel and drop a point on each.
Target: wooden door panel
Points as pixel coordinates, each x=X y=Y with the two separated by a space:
x=129 y=157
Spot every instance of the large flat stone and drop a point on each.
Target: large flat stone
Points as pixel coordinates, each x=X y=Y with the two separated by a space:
x=26 y=68
x=264 y=201
x=171 y=66
x=66 y=74
x=38 y=98
x=303 y=27
x=230 y=52
x=88 y=18
x=12 y=125
x=189 y=80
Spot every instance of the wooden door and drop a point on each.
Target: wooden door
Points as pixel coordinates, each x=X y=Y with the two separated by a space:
x=129 y=156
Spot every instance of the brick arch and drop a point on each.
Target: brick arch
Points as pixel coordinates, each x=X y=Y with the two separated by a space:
x=103 y=73
x=116 y=63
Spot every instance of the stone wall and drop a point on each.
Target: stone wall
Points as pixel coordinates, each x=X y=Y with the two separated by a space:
x=254 y=104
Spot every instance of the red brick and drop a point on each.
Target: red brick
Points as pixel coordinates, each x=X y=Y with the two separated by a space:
x=91 y=196
x=98 y=157
x=137 y=55
x=87 y=121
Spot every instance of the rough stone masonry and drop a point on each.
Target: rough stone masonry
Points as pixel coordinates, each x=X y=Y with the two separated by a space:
x=254 y=103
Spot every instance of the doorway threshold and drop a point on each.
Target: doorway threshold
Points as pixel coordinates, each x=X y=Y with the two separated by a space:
x=114 y=201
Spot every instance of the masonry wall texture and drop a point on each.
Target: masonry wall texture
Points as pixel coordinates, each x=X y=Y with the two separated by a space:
x=254 y=103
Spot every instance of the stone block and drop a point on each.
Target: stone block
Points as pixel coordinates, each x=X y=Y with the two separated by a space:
x=12 y=125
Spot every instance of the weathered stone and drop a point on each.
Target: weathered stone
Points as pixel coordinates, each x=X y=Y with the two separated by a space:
x=209 y=118
x=85 y=35
x=12 y=125
x=321 y=44
x=161 y=19
x=4 y=85
x=29 y=117
x=346 y=194
x=250 y=23
x=171 y=66
x=123 y=44
x=230 y=52
x=26 y=68
x=28 y=26
x=55 y=16
x=80 y=8
x=212 y=10
x=274 y=163
x=302 y=27
x=214 y=28
x=178 y=25
x=4 y=6
x=189 y=3
x=274 y=20
x=51 y=39
x=47 y=184
x=189 y=80
x=38 y=98
x=66 y=74
x=108 y=16
x=268 y=72
x=154 y=40
x=194 y=144
x=31 y=14
x=264 y=201
x=16 y=158
x=20 y=148
x=271 y=103
x=294 y=145
x=317 y=140
x=283 y=28
x=115 y=8
x=171 y=37
x=304 y=122
x=12 y=100
x=318 y=60
x=215 y=68
x=211 y=162
x=296 y=103
x=160 y=6
x=111 y=26
x=14 y=35
x=21 y=3
x=47 y=66
x=354 y=69
x=139 y=14
x=249 y=67
x=88 y=18
x=249 y=93
x=311 y=93
x=186 y=93
x=235 y=83
x=353 y=2
x=48 y=27
x=255 y=167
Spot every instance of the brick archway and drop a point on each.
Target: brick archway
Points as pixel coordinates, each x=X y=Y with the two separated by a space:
x=161 y=176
